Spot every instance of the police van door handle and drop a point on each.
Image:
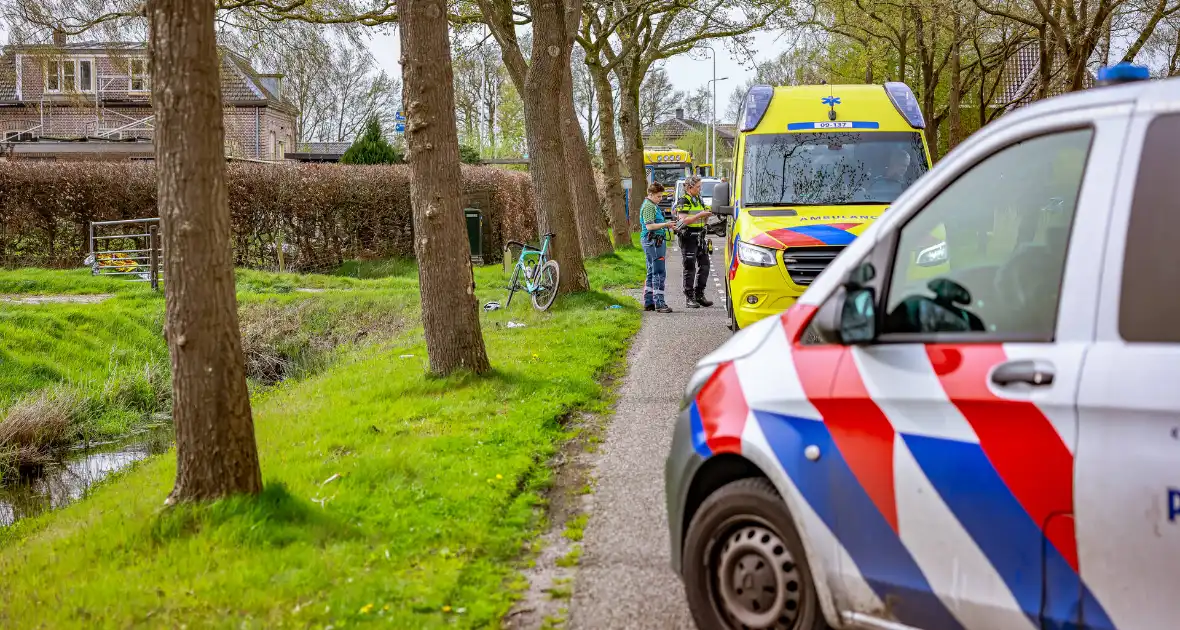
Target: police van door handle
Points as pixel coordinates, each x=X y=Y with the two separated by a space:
x=1034 y=373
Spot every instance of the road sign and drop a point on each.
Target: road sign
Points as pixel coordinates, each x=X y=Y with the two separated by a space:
x=399 y=117
x=399 y=127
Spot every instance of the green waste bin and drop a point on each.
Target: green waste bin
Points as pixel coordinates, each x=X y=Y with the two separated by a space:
x=474 y=218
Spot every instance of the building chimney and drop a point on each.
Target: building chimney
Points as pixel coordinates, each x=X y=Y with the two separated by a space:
x=679 y=113
x=59 y=37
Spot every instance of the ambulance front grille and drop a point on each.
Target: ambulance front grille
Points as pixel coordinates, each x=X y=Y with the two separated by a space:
x=804 y=264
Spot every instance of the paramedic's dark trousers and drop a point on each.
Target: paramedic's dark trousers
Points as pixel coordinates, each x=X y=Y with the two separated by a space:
x=696 y=262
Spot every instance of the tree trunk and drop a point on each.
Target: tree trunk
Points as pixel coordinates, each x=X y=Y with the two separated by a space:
x=1044 y=67
x=549 y=61
x=954 y=122
x=450 y=312
x=215 y=449
x=615 y=200
x=632 y=143
x=592 y=227
x=868 y=64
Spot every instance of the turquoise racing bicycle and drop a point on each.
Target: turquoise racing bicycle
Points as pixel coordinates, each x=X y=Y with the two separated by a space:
x=535 y=273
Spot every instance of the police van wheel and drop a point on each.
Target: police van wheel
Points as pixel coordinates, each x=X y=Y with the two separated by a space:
x=744 y=565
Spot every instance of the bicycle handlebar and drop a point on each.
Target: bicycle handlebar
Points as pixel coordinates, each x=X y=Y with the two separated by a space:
x=510 y=243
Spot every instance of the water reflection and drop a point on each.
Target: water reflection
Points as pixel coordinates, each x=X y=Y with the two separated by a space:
x=56 y=485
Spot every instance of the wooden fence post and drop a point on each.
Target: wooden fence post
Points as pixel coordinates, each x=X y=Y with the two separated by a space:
x=153 y=256
x=282 y=261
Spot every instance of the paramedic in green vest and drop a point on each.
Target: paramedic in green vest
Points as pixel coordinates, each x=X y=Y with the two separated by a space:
x=691 y=233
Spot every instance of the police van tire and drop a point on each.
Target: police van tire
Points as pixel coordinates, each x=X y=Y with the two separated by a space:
x=744 y=565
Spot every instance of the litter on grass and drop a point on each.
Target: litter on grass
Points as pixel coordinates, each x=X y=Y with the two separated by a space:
x=515 y=325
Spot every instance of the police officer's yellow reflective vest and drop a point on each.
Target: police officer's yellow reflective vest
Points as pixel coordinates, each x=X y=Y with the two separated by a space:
x=690 y=205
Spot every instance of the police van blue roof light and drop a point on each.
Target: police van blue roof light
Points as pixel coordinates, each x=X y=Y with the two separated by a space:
x=906 y=103
x=755 y=106
x=1122 y=72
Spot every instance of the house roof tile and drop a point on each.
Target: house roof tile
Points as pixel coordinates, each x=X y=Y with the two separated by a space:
x=7 y=79
x=674 y=129
x=1022 y=78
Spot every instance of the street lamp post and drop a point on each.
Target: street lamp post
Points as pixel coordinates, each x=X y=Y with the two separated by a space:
x=709 y=130
x=713 y=124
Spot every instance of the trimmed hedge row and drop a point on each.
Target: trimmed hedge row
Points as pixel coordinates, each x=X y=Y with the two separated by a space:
x=321 y=214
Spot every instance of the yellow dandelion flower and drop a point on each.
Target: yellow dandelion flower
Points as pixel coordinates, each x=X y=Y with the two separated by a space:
x=366 y=609
x=446 y=609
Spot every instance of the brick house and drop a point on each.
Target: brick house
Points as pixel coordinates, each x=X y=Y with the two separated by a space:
x=93 y=100
x=678 y=126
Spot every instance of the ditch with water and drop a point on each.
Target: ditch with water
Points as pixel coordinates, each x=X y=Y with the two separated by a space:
x=56 y=485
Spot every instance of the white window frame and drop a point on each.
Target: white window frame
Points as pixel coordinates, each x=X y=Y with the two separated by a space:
x=65 y=86
x=88 y=89
x=144 y=76
x=56 y=64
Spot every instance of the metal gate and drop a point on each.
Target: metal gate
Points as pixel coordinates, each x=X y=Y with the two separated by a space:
x=128 y=248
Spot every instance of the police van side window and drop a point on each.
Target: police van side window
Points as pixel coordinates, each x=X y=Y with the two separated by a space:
x=1149 y=304
x=987 y=255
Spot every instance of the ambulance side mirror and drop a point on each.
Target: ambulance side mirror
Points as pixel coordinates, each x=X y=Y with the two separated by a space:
x=721 y=205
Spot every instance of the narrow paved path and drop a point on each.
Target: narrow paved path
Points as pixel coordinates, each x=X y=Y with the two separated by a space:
x=625 y=580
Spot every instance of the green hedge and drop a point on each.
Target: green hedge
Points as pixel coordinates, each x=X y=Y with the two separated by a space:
x=324 y=214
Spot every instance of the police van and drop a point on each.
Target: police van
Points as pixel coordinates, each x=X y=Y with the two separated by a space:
x=815 y=166
x=995 y=446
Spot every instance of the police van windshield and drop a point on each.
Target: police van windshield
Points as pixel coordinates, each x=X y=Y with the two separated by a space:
x=830 y=168
x=668 y=175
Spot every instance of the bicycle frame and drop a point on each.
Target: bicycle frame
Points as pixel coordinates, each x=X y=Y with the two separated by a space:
x=542 y=256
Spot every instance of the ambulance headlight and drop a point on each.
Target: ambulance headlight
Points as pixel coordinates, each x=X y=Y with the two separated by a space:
x=906 y=103
x=933 y=256
x=754 y=256
x=755 y=106
x=696 y=383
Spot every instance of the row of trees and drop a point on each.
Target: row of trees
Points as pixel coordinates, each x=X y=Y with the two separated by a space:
x=622 y=41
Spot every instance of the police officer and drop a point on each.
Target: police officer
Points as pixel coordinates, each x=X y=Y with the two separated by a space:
x=692 y=236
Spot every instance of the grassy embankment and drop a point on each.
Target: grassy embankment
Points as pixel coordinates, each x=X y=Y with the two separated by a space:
x=390 y=497
x=94 y=371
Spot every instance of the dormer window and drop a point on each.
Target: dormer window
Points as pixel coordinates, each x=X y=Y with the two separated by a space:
x=69 y=75
x=139 y=75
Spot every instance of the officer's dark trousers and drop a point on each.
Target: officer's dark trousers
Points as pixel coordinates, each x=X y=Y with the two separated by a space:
x=696 y=261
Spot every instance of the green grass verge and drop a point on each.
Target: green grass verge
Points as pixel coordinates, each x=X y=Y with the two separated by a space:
x=390 y=495
x=75 y=372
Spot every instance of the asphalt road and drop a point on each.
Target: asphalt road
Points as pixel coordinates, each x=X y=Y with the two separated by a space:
x=625 y=580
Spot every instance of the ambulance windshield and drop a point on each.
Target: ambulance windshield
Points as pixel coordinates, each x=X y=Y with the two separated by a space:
x=830 y=168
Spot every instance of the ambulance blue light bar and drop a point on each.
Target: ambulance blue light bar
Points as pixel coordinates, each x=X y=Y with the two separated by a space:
x=1122 y=72
x=906 y=103
x=755 y=106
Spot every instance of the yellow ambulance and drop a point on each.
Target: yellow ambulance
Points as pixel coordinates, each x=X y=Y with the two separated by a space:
x=815 y=166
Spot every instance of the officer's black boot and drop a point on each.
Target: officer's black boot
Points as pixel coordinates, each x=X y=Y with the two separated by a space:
x=691 y=302
x=703 y=301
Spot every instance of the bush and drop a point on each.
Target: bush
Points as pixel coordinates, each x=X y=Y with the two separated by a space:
x=469 y=154
x=320 y=214
x=372 y=148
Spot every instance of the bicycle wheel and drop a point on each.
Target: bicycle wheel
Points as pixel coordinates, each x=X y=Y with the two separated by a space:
x=548 y=279
x=513 y=286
